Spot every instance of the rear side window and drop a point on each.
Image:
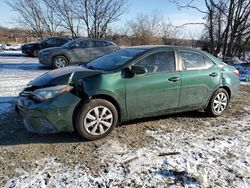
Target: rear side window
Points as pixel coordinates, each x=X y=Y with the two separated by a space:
x=108 y=43
x=162 y=61
x=99 y=44
x=194 y=61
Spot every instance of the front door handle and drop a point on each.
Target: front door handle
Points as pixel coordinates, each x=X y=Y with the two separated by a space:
x=174 y=79
x=213 y=74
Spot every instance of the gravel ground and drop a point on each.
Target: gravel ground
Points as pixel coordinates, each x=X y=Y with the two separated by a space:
x=182 y=150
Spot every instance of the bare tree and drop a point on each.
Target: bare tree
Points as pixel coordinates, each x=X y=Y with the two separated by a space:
x=29 y=15
x=227 y=24
x=36 y=16
x=171 y=34
x=145 y=28
x=49 y=19
x=97 y=15
x=65 y=11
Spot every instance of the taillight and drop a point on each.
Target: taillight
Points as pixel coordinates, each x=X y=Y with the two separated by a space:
x=236 y=72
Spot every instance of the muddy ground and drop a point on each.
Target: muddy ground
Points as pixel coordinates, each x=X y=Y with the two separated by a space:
x=128 y=156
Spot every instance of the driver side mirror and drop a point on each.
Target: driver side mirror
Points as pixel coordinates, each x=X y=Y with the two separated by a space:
x=139 y=70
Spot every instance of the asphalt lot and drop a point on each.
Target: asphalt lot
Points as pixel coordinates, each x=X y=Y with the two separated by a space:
x=187 y=149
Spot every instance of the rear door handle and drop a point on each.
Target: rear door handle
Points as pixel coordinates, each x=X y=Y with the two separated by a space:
x=174 y=79
x=213 y=74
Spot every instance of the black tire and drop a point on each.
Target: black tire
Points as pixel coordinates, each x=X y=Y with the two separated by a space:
x=35 y=53
x=211 y=108
x=60 y=62
x=86 y=116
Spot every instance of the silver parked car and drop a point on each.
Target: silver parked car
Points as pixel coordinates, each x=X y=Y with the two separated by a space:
x=75 y=52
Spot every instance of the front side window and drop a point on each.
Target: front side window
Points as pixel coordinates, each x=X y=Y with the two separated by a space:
x=159 y=62
x=80 y=44
x=194 y=61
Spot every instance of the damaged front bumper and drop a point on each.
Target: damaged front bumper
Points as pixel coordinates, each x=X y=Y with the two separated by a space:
x=51 y=116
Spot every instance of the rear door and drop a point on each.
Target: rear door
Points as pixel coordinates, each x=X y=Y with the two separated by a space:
x=79 y=52
x=200 y=78
x=157 y=91
x=97 y=49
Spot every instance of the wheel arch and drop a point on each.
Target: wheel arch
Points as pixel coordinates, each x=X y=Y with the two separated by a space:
x=221 y=87
x=56 y=55
x=99 y=96
x=111 y=100
x=227 y=89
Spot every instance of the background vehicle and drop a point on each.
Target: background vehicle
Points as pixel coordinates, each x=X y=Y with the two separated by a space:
x=131 y=83
x=76 y=51
x=32 y=49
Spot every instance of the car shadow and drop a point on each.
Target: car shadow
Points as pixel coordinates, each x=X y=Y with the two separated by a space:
x=12 y=54
x=190 y=114
x=24 y=66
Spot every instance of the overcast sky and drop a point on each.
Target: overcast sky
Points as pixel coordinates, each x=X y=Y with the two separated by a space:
x=168 y=11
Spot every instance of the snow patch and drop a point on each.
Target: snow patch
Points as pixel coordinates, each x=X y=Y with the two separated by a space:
x=201 y=158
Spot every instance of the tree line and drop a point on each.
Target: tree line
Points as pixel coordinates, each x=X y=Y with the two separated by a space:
x=71 y=16
x=226 y=22
x=226 y=26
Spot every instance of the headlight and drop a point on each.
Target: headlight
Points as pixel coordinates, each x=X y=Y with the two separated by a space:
x=50 y=92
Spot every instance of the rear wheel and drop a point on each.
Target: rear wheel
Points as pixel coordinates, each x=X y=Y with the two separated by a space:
x=96 y=119
x=60 y=62
x=35 y=53
x=218 y=103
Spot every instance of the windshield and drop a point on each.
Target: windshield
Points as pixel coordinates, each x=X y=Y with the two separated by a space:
x=70 y=43
x=43 y=40
x=114 y=60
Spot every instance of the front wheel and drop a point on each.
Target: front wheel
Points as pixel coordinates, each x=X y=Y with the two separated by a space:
x=218 y=103
x=60 y=62
x=96 y=119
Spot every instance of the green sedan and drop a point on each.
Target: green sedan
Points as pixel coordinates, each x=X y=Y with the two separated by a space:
x=131 y=83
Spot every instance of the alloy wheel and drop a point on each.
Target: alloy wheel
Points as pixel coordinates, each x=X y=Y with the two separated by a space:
x=220 y=103
x=98 y=120
x=60 y=62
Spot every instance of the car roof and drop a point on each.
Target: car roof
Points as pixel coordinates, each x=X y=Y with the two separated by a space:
x=151 y=47
x=173 y=47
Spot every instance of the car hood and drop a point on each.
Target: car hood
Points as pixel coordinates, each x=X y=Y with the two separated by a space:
x=67 y=75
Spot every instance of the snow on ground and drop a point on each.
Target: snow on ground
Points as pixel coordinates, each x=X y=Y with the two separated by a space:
x=203 y=158
x=16 y=72
x=11 y=53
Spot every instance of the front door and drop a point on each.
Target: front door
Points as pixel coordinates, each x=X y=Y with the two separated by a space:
x=157 y=91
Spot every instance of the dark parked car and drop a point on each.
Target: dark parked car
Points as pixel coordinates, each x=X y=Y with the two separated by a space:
x=130 y=83
x=32 y=49
x=75 y=52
